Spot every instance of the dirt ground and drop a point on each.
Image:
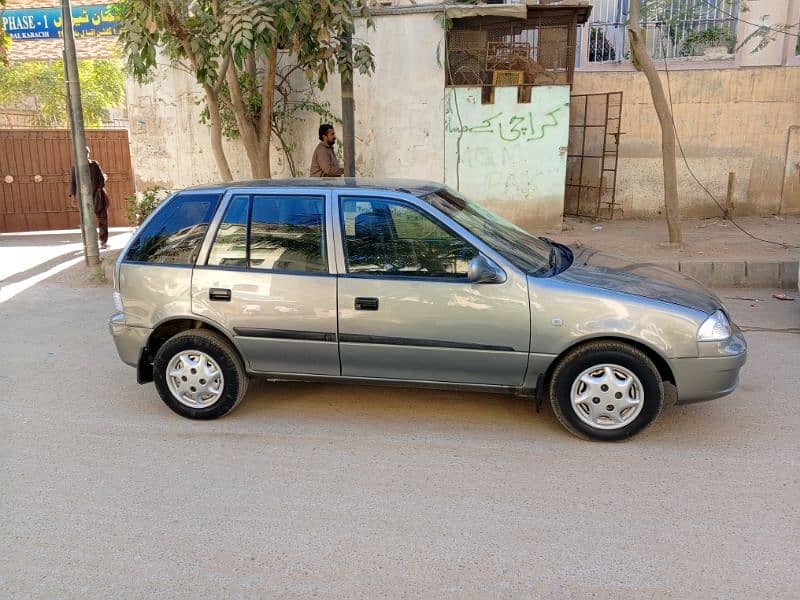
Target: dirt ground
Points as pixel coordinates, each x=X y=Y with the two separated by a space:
x=338 y=491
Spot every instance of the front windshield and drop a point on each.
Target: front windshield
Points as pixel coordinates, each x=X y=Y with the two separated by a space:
x=523 y=250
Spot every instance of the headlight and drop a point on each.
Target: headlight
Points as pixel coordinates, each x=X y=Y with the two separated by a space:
x=715 y=329
x=118 y=305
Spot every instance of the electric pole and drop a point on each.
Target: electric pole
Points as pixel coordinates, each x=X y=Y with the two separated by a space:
x=348 y=113
x=80 y=160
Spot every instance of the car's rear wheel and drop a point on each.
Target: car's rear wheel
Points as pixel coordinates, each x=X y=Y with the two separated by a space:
x=606 y=391
x=199 y=375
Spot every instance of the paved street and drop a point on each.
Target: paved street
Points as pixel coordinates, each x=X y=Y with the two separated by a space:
x=338 y=491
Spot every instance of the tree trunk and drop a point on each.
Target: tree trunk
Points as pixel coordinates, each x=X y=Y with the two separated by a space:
x=216 y=135
x=267 y=105
x=212 y=100
x=644 y=63
x=247 y=130
x=259 y=163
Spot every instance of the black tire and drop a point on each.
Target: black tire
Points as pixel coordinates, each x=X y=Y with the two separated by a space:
x=220 y=350
x=578 y=360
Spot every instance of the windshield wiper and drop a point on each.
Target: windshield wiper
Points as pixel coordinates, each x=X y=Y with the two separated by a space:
x=553 y=260
x=554 y=252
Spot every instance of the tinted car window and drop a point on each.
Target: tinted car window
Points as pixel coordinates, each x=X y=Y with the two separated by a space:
x=524 y=250
x=383 y=237
x=230 y=245
x=176 y=232
x=287 y=233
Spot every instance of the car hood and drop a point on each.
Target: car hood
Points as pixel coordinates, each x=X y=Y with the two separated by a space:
x=592 y=268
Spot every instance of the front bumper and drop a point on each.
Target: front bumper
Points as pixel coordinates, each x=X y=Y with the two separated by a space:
x=129 y=340
x=715 y=373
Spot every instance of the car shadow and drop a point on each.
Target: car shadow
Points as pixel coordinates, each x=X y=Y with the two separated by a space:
x=407 y=411
x=396 y=408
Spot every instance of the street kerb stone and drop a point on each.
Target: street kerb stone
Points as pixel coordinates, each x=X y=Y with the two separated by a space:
x=701 y=271
x=730 y=273
x=763 y=274
x=790 y=275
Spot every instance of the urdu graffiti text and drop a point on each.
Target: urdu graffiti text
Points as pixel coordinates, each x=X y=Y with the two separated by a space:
x=512 y=128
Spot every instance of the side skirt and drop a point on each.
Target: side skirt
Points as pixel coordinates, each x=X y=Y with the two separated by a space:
x=434 y=385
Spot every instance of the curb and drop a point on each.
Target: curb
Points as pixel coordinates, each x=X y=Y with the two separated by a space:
x=740 y=273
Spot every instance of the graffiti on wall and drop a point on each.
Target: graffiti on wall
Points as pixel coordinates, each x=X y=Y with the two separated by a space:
x=509 y=128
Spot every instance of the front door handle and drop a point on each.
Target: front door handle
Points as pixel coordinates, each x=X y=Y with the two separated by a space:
x=366 y=304
x=219 y=294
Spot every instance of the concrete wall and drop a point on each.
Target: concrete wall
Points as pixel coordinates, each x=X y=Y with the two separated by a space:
x=727 y=119
x=770 y=13
x=170 y=148
x=399 y=116
x=510 y=156
x=400 y=129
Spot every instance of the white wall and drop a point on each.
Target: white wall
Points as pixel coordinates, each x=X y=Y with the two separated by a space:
x=510 y=156
x=399 y=115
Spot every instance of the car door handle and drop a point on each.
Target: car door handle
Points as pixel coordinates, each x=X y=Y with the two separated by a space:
x=366 y=304
x=219 y=294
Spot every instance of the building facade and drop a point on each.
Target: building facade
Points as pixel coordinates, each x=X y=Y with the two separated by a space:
x=424 y=114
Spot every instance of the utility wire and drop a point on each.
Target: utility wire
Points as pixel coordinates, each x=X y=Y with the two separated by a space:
x=454 y=96
x=737 y=18
x=691 y=172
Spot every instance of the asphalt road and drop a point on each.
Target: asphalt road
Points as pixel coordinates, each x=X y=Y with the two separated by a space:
x=344 y=492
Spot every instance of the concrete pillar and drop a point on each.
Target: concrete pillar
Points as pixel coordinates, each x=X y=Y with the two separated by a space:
x=772 y=13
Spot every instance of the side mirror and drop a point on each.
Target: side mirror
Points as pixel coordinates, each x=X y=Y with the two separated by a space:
x=482 y=271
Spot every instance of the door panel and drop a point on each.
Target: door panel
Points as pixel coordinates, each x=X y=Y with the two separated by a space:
x=435 y=331
x=282 y=323
x=266 y=281
x=406 y=308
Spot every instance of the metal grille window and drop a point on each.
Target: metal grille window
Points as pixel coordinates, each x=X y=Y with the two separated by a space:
x=493 y=51
x=673 y=29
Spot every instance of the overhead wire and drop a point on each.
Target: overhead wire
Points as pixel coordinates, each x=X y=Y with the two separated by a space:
x=454 y=96
x=691 y=171
x=761 y=26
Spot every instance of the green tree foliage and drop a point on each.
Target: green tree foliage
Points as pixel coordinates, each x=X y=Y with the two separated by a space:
x=40 y=86
x=232 y=49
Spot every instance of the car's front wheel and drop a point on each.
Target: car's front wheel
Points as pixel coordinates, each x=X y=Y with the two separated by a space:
x=199 y=375
x=606 y=391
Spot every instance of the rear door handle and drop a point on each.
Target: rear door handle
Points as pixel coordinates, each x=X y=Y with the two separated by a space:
x=366 y=304
x=219 y=294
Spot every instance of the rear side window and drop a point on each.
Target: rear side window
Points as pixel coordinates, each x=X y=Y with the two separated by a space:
x=272 y=233
x=288 y=234
x=175 y=234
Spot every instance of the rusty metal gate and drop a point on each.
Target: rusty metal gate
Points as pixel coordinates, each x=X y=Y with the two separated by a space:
x=35 y=170
x=594 y=132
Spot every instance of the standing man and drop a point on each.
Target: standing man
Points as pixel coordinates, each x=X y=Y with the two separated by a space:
x=324 y=163
x=99 y=196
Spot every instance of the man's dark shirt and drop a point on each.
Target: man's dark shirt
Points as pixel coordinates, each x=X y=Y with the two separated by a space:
x=99 y=195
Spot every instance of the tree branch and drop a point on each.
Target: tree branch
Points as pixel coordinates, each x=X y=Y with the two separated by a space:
x=247 y=131
x=268 y=94
x=250 y=64
x=223 y=71
x=237 y=100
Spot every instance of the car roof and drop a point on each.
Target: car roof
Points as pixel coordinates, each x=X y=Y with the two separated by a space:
x=411 y=186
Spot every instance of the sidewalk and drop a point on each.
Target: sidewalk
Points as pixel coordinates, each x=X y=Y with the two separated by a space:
x=714 y=251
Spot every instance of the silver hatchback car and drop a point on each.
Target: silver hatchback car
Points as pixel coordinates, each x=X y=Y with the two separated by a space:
x=406 y=283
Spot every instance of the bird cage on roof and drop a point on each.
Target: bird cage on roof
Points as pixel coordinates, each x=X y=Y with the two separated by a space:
x=539 y=41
